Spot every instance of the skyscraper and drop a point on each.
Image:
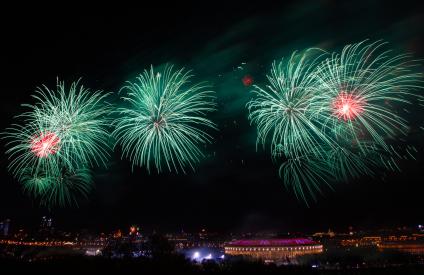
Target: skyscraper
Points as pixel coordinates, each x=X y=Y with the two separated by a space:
x=46 y=223
x=4 y=227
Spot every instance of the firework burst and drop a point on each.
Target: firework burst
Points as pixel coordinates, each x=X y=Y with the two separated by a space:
x=165 y=121
x=288 y=111
x=359 y=81
x=328 y=119
x=67 y=188
x=62 y=189
x=65 y=130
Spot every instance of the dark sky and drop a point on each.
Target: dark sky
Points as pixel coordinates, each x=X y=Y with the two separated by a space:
x=235 y=187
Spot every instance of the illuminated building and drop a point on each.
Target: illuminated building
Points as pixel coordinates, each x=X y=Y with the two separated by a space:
x=410 y=244
x=203 y=235
x=117 y=234
x=329 y=234
x=134 y=230
x=408 y=247
x=362 y=242
x=46 y=223
x=273 y=249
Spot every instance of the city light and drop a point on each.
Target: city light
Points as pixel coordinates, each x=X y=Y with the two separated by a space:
x=196 y=255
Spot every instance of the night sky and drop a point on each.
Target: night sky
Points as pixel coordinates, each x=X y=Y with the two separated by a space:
x=236 y=187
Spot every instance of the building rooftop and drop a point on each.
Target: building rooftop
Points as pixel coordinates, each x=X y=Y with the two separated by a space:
x=272 y=242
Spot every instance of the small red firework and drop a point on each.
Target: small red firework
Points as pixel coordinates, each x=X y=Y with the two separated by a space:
x=45 y=144
x=247 y=80
x=347 y=106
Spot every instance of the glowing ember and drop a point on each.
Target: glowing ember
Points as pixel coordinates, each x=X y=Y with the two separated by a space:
x=347 y=106
x=45 y=144
x=247 y=80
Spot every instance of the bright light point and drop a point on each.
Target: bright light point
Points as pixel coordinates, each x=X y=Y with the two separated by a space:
x=222 y=256
x=45 y=144
x=208 y=257
x=196 y=255
x=347 y=106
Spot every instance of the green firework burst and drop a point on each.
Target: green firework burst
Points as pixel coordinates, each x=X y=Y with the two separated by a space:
x=332 y=118
x=288 y=111
x=65 y=130
x=165 y=120
x=61 y=189
x=68 y=187
x=361 y=85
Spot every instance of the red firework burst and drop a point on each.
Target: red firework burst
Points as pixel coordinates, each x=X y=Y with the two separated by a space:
x=45 y=144
x=347 y=106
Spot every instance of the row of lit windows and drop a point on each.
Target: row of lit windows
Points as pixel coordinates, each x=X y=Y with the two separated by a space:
x=51 y=243
x=273 y=248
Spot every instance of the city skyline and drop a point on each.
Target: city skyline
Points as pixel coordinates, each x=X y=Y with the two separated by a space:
x=236 y=187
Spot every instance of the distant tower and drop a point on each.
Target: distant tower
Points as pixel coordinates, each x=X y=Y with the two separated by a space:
x=43 y=224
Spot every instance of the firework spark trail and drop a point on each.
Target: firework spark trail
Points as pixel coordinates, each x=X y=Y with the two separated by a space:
x=307 y=176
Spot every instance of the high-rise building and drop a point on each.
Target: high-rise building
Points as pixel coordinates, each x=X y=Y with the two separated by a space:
x=4 y=227
x=43 y=223
x=46 y=223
